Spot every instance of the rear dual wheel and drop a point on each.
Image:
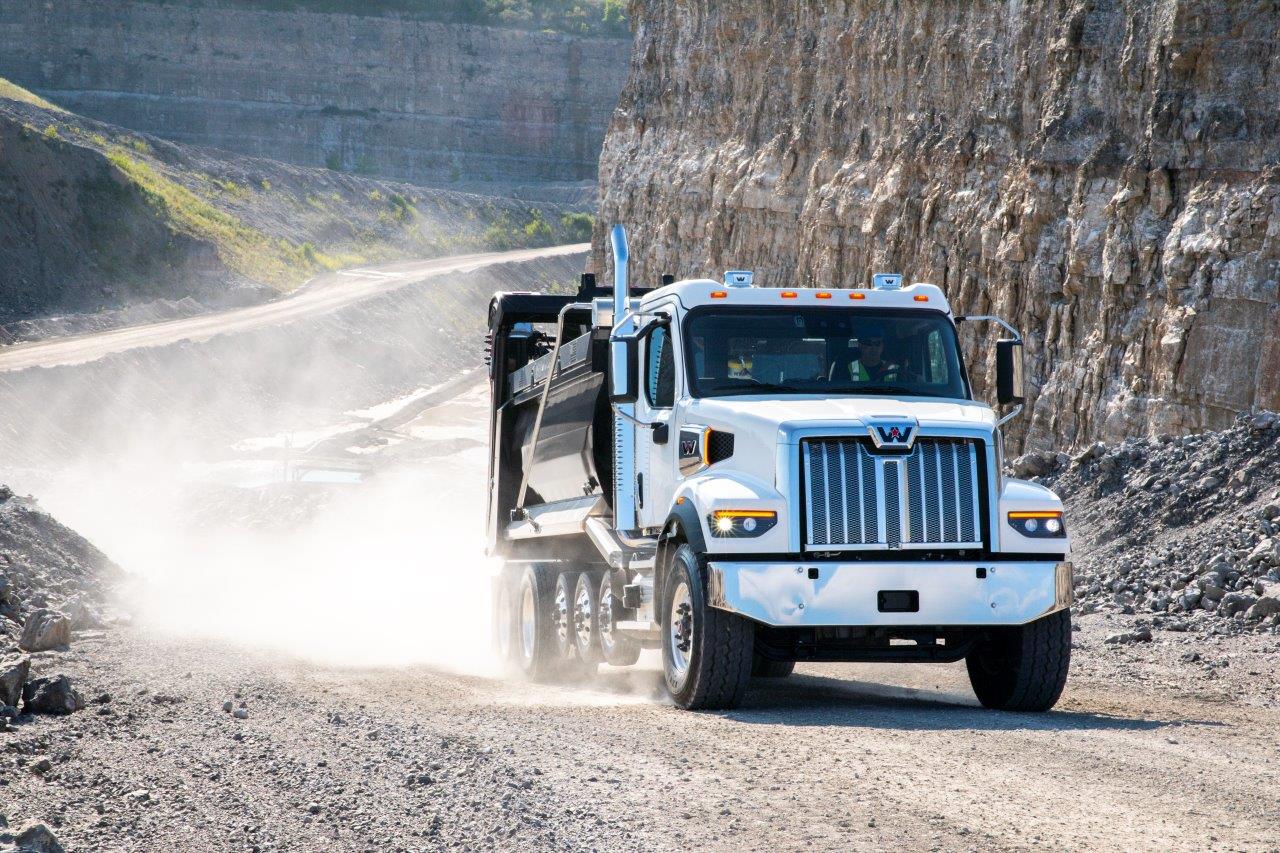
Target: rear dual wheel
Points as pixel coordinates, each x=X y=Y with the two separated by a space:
x=534 y=624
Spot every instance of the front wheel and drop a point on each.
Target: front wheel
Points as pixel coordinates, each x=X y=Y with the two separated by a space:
x=1023 y=667
x=706 y=653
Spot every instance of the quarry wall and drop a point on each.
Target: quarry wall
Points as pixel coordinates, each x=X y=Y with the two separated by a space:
x=1103 y=174
x=413 y=100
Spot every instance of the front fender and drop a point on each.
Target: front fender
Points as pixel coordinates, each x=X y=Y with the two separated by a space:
x=699 y=496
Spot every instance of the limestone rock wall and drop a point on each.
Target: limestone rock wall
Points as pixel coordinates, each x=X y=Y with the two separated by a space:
x=413 y=100
x=1103 y=173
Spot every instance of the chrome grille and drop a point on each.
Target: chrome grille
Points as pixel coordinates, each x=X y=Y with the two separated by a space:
x=925 y=498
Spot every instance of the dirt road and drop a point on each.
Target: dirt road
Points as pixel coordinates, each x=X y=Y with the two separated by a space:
x=865 y=758
x=1145 y=752
x=320 y=296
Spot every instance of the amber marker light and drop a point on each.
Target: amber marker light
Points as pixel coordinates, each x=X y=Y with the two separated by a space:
x=822 y=294
x=788 y=294
x=740 y=522
x=921 y=298
x=857 y=296
x=1037 y=523
x=719 y=294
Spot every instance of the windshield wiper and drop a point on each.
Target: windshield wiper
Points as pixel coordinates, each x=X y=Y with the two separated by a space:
x=895 y=390
x=753 y=388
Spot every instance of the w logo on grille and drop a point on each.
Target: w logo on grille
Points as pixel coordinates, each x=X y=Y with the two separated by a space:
x=896 y=435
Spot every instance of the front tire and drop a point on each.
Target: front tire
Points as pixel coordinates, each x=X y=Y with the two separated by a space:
x=706 y=653
x=1023 y=667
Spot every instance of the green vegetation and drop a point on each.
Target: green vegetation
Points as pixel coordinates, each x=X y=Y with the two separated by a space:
x=14 y=92
x=577 y=226
x=243 y=250
x=51 y=132
x=502 y=234
x=605 y=18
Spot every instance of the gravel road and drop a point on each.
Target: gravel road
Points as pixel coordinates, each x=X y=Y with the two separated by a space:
x=1150 y=749
x=843 y=757
x=322 y=295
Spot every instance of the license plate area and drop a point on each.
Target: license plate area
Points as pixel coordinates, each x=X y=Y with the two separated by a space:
x=898 y=601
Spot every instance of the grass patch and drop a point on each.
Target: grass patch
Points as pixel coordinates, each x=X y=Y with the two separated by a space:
x=14 y=92
x=244 y=250
x=51 y=132
x=577 y=226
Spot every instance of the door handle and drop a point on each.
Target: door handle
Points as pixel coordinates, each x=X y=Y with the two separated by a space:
x=661 y=432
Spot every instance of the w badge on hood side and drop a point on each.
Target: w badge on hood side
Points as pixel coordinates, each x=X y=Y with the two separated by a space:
x=894 y=434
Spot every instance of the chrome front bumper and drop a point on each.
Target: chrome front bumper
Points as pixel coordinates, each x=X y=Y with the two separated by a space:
x=847 y=594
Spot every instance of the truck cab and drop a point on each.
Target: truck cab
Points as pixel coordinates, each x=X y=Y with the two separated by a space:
x=746 y=477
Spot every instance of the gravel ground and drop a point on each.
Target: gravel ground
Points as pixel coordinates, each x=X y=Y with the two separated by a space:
x=1167 y=744
x=1146 y=751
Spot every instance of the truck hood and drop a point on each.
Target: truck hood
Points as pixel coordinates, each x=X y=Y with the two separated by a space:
x=760 y=415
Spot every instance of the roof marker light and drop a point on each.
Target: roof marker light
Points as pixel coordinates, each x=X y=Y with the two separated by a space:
x=788 y=294
x=822 y=294
x=719 y=294
x=856 y=295
x=921 y=298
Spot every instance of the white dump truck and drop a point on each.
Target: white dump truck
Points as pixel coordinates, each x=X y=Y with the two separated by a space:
x=746 y=477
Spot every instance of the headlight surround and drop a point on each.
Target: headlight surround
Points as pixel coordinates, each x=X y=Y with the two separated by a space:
x=1038 y=524
x=741 y=523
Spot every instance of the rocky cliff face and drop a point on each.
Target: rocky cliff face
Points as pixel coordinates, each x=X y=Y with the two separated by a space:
x=412 y=100
x=1103 y=174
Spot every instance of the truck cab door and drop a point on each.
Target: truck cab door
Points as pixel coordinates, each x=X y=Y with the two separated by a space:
x=656 y=444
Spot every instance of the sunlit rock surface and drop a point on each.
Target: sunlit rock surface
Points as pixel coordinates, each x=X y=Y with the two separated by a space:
x=1102 y=174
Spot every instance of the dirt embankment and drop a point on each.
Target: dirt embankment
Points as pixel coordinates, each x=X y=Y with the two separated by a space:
x=100 y=219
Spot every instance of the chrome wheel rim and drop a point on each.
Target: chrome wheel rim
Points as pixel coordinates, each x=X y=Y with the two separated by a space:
x=528 y=623
x=605 y=619
x=564 y=620
x=582 y=618
x=679 y=636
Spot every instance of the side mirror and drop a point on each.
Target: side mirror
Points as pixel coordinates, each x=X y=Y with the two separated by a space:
x=624 y=361
x=624 y=370
x=1009 y=376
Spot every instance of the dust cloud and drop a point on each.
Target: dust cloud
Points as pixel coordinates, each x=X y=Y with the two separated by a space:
x=387 y=571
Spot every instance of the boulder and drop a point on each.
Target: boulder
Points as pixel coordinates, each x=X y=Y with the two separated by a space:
x=81 y=615
x=1264 y=420
x=13 y=674
x=32 y=838
x=1263 y=607
x=44 y=630
x=51 y=696
x=1236 y=602
x=1033 y=465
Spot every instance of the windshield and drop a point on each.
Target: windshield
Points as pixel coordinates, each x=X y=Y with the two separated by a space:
x=822 y=351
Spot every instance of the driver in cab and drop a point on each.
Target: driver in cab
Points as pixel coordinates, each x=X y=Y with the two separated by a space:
x=870 y=365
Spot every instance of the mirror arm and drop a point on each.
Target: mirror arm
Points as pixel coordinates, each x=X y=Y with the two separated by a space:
x=1010 y=415
x=973 y=318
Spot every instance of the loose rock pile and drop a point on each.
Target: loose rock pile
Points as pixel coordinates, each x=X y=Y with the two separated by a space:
x=52 y=582
x=1186 y=529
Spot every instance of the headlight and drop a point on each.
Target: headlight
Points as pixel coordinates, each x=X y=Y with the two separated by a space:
x=727 y=523
x=1042 y=524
